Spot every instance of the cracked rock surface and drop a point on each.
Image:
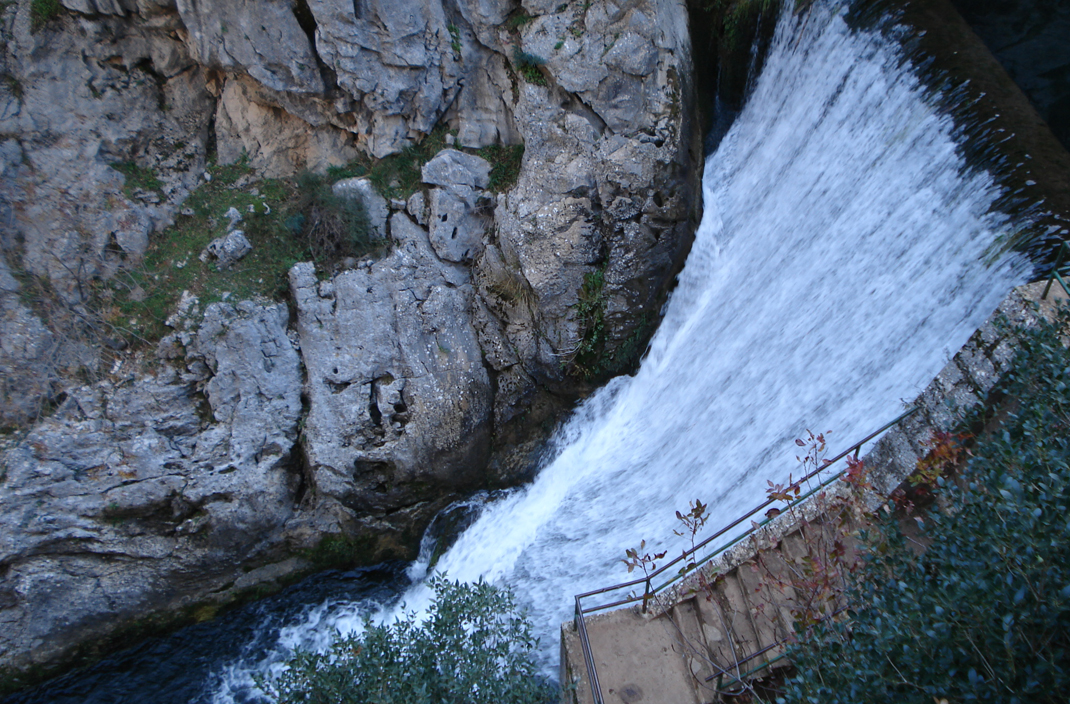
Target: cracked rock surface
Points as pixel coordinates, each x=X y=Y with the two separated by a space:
x=400 y=400
x=140 y=497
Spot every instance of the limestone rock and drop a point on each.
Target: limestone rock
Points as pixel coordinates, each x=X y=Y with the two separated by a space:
x=400 y=401
x=458 y=221
x=607 y=185
x=260 y=37
x=375 y=205
x=417 y=207
x=100 y=7
x=276 y=142
x=454 y=168
x=227 y=250
x=32 y=357
x=90 y=99
x=134 y=473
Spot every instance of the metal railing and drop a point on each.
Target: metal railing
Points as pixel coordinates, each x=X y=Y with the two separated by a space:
x=649 y=591
x=1055 y=275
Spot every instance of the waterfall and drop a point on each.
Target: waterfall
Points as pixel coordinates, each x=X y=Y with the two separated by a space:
x=840 y=262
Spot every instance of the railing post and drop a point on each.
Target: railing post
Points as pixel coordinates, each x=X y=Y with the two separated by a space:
x=1055 y=270
x=588 y=655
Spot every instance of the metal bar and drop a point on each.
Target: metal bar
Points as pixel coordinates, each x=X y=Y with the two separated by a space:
x=748 y=673
x=621 y=602
x=764 y=505
x=588 y=656
x=766 y=649
x=1062 y=282
x=1055 y=272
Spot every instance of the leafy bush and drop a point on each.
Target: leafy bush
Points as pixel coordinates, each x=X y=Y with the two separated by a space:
x=983 y=614
x=473 y=648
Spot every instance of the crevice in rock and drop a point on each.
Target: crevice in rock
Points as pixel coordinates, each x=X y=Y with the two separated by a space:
x=300 y=472
x=307 y=21
x=373 y=405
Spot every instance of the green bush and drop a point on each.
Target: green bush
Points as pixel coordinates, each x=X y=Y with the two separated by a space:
x=527 y=65
x=473 y=648
x=984 y=613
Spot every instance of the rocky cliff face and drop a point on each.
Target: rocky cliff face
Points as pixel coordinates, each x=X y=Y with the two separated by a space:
x=261 y=440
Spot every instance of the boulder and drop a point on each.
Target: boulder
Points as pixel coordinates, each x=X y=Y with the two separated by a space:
x=227 y=250
x=459 y=218
x=454 y=168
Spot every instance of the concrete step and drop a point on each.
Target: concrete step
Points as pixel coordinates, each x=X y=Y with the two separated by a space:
x=638 y=659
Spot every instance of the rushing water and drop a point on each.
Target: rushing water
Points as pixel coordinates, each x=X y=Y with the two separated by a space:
x=839 y=263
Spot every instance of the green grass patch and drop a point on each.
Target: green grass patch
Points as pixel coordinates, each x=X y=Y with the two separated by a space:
x=138 y=177
x=527 y=65
x=505 y=161
x=517 y=20
x=42 y=12
x=455 y=39
x=591 y=311
x=286 y=221
x=399 y=175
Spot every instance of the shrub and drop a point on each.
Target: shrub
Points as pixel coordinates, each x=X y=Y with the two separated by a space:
x=983 y=614
x=332 y=227
x=473 y=648
x=527 y=65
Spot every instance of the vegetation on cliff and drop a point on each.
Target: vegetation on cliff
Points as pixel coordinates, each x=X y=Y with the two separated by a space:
x=983 y=613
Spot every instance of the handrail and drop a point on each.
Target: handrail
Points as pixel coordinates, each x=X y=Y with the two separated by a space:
x=1055 y=275
x=649 y=592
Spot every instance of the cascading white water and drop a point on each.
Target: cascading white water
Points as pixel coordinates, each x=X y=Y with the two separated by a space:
x=838 y=265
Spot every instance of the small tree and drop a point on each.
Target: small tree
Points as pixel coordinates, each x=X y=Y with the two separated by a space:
x=473 y=647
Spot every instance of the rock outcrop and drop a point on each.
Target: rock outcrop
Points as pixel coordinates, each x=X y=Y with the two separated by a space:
x=399 y=399
x=139 y=497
